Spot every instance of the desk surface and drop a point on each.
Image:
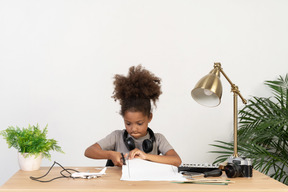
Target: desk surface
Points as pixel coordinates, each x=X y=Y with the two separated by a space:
x=111 y=182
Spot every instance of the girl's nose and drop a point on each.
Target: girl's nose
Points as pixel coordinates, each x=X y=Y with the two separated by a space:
x=134 y=128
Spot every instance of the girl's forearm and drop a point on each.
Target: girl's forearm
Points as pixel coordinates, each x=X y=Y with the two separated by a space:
x=166 y=159
x=95 y=152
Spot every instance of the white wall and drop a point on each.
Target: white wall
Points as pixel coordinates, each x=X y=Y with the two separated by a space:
x=58 y=58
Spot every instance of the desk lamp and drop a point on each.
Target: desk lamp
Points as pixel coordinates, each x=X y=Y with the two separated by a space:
x=208 y=92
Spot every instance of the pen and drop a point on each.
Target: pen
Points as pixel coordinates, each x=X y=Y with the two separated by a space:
x=124 y=163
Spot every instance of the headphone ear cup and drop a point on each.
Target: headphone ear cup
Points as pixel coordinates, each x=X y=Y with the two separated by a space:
x=147 y=145
x=129 y=142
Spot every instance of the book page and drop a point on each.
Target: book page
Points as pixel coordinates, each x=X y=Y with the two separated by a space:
x=142 y=170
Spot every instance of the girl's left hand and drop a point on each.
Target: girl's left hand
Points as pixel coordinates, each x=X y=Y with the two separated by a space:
x=137 y=153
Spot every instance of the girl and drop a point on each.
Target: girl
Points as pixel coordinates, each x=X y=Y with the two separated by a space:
x=135 y=93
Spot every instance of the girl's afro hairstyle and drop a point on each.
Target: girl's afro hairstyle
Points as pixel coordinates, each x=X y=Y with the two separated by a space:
x=139 y=84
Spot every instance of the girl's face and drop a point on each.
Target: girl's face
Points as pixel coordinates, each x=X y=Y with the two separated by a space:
x=136 y=123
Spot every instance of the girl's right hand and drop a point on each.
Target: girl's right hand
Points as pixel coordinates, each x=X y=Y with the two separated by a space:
x=116 y=157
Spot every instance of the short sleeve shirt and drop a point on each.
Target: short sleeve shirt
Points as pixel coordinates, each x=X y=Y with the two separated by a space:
x=114 y=142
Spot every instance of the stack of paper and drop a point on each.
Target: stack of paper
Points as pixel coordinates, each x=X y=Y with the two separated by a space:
x=142 y=170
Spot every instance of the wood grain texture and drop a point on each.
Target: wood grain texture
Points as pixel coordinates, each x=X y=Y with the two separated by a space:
x=21 y=181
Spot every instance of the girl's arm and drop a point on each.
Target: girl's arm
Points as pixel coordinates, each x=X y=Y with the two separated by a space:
x=171 y=157
x=95 y=152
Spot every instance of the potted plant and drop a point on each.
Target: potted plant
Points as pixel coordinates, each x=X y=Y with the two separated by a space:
x=31 y=144
x=263 y=132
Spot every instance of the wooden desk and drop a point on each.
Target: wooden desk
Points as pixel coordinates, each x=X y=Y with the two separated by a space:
x=111 y=182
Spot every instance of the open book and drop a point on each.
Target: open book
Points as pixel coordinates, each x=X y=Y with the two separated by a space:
x=142 y=170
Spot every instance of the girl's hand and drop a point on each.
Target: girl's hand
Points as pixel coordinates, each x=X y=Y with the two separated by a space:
x=117 y=159
x=137 y=153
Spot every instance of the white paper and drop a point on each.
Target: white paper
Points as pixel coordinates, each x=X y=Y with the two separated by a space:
x=142 y=170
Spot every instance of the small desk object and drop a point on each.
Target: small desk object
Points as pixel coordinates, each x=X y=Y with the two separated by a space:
x=21 y=181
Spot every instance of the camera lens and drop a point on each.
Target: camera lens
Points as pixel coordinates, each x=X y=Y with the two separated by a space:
x=232 y=170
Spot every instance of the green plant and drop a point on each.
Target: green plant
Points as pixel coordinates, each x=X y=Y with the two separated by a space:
x=262 y=133
x=30 y=140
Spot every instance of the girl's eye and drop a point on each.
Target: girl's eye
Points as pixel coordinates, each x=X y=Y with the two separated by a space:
x=140 y=123
x=128 y=123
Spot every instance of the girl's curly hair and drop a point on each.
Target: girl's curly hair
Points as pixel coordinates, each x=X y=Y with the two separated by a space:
x=135 y=91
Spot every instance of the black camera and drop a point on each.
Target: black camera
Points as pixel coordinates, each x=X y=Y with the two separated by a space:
x=238 y=167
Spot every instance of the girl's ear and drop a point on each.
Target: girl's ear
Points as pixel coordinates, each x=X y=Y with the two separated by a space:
x=150 y=117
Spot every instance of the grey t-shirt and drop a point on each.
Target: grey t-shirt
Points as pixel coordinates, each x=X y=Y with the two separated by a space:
x=114 y=142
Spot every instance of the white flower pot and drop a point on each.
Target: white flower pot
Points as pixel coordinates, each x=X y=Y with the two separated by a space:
x=29 y=162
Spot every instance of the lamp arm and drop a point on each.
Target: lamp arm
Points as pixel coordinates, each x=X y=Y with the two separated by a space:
x=234 y=88
x=236 y=93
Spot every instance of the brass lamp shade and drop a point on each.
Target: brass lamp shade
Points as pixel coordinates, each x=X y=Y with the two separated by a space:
x=208 y=90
